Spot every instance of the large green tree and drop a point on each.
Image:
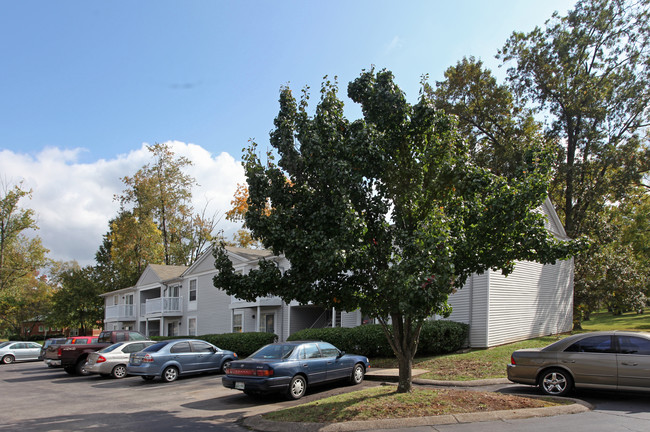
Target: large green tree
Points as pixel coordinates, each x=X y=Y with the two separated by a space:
x=590 y=71
x=498 y=128
x=76 y=302
x=587 y=75
x=387 y=213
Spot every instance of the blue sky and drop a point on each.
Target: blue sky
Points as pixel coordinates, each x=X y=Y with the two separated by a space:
x=84 y=84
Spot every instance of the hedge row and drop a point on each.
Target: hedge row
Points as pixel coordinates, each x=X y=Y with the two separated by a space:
x=244 y=344
x=437 y=337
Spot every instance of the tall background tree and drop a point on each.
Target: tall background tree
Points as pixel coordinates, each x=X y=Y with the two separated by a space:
x=160 y=193
x=587 y=74
x=24 y=292
x=387 y=213
x=156 y=223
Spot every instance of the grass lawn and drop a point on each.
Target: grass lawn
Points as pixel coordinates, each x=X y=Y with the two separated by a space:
x=383 y=402
x=491 y=363
x=627 y=321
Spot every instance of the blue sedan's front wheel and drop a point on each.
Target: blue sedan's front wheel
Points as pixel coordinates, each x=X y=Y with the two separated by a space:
x=297 y=387
x=357 y=374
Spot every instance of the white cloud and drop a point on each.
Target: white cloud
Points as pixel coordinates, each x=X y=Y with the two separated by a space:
x=74 y=201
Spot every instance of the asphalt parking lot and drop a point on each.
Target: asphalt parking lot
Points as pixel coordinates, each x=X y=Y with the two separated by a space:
x=35 y=398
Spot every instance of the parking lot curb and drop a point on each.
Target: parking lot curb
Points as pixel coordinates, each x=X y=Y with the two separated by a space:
x=259 y=423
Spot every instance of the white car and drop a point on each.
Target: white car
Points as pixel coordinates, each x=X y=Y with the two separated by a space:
x=113 y=359
x=19 y=351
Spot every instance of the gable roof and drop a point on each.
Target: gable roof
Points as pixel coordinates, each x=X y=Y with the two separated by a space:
x=249 y=254
x=155 y=273
x=166 y=272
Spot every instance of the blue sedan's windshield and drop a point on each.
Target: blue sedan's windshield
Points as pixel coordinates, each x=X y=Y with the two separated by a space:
x=276 y=352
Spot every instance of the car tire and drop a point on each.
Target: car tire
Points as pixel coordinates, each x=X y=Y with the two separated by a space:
x=70 y=370
x=147 y=377
x=8 y=359
x=555 y=382
x=357 y=374
x=297 y=387
x=225 y=365
x=80 y=368
x=119 y=371
x=170 y=374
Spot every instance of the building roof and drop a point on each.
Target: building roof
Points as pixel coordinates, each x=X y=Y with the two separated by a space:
x=166 y=272
x=249 y=254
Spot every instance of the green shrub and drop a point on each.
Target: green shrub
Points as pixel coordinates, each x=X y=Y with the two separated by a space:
x=441 y=337
x=437 y=337
x=244 y=344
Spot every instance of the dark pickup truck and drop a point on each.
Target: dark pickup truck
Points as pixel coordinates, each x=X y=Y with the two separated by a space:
x=73 y=357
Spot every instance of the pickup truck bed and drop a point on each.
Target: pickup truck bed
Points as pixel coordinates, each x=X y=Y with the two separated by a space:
x=73 y=357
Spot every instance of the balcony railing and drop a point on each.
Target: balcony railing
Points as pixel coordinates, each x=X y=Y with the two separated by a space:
x=259 y=301
x=120 y=312
x=168 y=306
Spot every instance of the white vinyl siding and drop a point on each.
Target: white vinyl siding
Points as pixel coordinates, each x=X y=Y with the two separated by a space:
x=535 y=300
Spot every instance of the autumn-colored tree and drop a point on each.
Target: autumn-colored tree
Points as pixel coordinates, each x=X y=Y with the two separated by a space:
x=237 y=213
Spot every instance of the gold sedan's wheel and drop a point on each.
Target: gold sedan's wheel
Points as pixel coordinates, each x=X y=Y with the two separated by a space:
x=556 y=382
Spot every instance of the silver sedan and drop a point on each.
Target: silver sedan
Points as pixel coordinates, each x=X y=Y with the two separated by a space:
x=614 y=360
x=19 y=351
x=112 y=360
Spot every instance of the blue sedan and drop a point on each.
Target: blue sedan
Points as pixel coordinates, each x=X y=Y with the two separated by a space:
x=289 y=367
x=171 y=358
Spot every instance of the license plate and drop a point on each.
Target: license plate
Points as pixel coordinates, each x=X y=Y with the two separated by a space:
x=239 y=385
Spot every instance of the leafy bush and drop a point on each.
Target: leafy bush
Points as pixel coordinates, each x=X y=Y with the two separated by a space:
x=437 y=337
x=244 y=344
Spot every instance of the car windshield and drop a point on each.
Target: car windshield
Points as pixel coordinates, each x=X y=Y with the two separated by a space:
x=155 y=347
x=4 y=344
x=279 y=351
x=111 y=347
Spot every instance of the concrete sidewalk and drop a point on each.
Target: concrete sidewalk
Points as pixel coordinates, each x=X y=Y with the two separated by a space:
x=392 y=375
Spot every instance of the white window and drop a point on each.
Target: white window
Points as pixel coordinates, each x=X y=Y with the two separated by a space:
x=237 y=323
x=116 y=300
x=191 y=327
x=193 y=290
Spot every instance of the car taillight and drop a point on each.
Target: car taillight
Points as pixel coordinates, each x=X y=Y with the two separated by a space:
x=58 y=352
x=512 y=360
x=100 y=359
x=265 y=372
x=147 y=359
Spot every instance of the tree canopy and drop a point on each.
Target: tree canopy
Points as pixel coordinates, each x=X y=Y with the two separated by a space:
x=388 y=213
x=585 y=77
x=24 y=293
x=590 y=70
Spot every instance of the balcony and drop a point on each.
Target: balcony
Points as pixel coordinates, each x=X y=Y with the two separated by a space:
x=120 y=312
x=236 y=303
x=162 y=306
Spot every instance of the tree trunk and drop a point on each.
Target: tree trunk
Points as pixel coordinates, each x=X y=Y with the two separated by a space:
x=405 y=383
x=403 y=337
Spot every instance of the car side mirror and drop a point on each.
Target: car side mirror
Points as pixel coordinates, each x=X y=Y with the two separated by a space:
x=341 y=354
